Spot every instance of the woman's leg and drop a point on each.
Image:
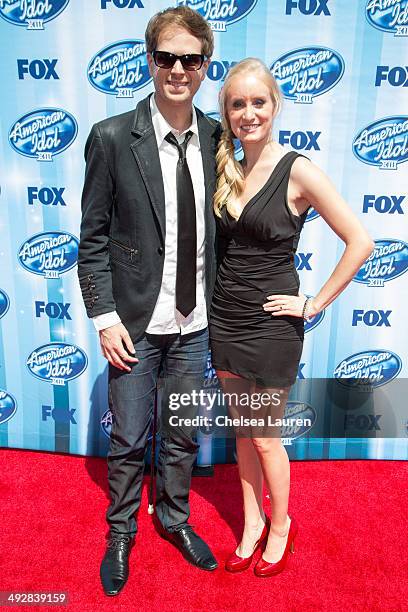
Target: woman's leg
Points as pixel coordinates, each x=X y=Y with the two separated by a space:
x=250 y=471
x=251 y=477
x=274 y=461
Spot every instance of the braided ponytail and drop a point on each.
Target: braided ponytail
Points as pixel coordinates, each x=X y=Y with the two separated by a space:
x=230 y=181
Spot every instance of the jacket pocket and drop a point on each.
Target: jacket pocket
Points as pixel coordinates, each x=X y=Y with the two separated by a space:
x=122 y=253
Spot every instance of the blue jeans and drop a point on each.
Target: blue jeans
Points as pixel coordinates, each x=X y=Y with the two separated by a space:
x=179 y=361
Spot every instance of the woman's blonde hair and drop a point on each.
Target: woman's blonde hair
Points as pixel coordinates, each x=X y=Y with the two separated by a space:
x=230 y=183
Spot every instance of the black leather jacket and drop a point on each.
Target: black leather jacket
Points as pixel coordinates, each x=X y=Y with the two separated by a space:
x=121 y=251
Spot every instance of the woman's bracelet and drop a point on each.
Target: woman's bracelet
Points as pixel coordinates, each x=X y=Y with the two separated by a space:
x=307 y=317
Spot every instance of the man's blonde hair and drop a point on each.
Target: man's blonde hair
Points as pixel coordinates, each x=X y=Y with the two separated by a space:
x=181 y=17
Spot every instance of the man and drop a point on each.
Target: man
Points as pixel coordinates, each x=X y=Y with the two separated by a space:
x=147 y=268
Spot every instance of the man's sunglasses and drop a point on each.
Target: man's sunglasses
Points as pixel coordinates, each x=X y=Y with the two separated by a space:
x=189 y=61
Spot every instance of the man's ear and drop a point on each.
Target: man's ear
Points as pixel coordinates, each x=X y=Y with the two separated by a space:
x=151 y=64
x=204 y=68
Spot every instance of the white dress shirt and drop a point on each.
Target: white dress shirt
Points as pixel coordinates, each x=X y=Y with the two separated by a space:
x=166 y=319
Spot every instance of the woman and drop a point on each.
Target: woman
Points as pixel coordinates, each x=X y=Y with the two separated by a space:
x=257 y=315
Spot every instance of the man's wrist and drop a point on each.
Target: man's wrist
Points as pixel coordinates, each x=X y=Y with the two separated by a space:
x=106 y=320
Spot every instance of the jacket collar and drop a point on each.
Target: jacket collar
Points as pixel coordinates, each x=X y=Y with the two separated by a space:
x=142 y=122
x=146 y=154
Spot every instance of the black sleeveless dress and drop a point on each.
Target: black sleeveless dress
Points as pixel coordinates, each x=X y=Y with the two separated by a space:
x=259 y=261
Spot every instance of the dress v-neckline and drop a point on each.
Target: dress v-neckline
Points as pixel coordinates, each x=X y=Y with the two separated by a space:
x=261 y=189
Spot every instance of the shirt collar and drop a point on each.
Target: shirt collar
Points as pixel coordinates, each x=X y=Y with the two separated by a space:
x=162 y=127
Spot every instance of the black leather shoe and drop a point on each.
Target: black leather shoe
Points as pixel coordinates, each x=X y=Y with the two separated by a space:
x=193 y=548
x=115 y=564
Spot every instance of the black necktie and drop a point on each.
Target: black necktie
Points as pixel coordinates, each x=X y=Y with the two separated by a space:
x=186 y=231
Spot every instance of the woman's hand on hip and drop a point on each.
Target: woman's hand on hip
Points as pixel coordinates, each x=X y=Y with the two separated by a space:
x=288 y=305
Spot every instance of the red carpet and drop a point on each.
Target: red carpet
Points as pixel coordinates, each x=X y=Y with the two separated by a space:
x=350 y=554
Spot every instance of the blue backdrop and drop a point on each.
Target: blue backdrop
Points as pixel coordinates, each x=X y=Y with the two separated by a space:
x=342 y=67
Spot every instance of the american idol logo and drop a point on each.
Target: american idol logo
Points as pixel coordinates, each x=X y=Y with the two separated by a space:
x=43 y=133
x=309 y=325
x=372 y=367
x=304 y=74
x=4 y=303
x=8 y=406
x=388 y=16
x=306 y=415
x=388 y=260
x=106 y=422
x=49 y=254
x=31 y=14
x=383 y=143
x=220 y=13
x=120 y=69
x=239 y=153
x=57 y=362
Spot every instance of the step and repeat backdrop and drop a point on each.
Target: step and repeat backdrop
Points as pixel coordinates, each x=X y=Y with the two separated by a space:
x=342 y=68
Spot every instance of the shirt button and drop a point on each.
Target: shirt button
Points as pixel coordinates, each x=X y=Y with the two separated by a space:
x=160 y=250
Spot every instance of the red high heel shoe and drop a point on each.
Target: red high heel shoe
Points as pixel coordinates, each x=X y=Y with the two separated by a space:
x=234 y=563
x=264 y=568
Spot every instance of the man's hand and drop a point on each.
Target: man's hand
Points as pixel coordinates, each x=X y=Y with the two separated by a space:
x=113 y=342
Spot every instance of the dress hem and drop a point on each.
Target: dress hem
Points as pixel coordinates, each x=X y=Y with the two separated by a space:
x=258 y=379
